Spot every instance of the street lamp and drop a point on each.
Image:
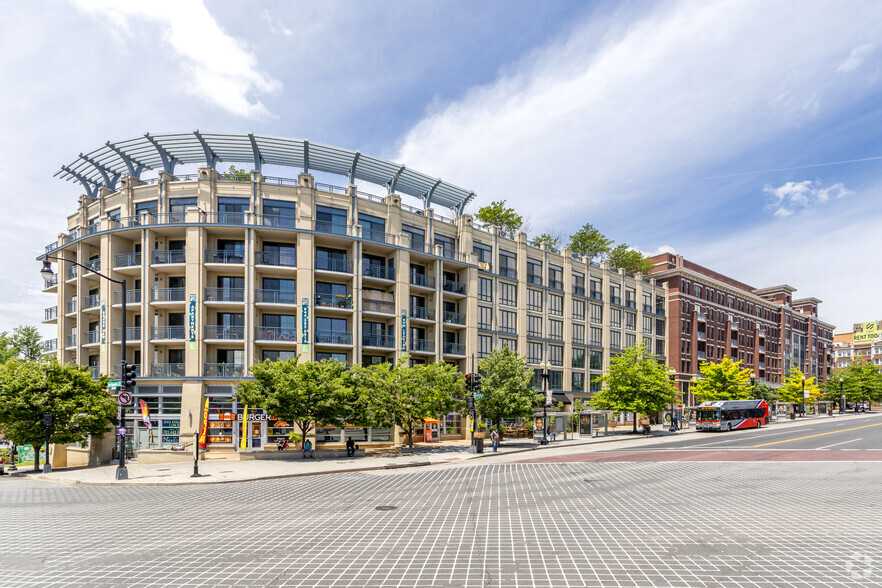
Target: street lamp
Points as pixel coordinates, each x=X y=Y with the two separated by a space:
x=545 y=375
x=841 y=396
x=753 y=382
x=671 y=372
x=121 y=472
x=803 y=396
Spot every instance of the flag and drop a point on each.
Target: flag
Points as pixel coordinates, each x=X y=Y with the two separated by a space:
x=243 y=441
x=203 y=432
x=145 y=416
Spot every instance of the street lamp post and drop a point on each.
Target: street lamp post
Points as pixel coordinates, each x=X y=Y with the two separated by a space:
x=803 y=397
x=121 y=472
x=545 y=375
x=671 y=372
x=841 y=397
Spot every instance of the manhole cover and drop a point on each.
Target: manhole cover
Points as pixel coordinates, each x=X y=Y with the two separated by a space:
x=386 y=507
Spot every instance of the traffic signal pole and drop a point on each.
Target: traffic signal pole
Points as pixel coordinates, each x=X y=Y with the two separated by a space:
x=121 y=472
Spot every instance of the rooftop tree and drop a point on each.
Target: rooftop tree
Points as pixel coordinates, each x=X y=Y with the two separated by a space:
x=499 y=215
x=590 y=242
x=630 y=260
x=551 y=241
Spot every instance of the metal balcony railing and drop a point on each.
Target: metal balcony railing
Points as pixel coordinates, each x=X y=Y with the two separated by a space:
x=334 y=337
x=50 y=345
x=168 y=295
x=50 y=313
x=72 y=272
x=378 y=236
x=275 y=220
x=70 y=306
x=382 y=341
x=371 y=270
x=132 y=297
x=53 y=281
x=93 y=301
x=169 y=332
x=163 y=256
x=224 y=370
x=132 y=334
x=93 y=265
x=276 y=259
x=456 y=318
x=225 y=332
x=95 y=372
x=70 y=341
x=334 y=300
x=168 y=370
x=422 y=312
x=221 y=256
x=382 y=306
x=89 y=337
x=331 y=228
x=333 y=265
x=454 y=287
x=277 y=296
x=454 y=348
x=424 y=345
x=171 y=218
x=225 y=295
x=225 y=218
x=422 y=280
x=275 y=334
x=127 y=259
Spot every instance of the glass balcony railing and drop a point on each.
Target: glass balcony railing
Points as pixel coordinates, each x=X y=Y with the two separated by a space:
x=50 y=345
x=331 y=264
x=221 y=256
x=168 y=370
x=422 y=312
x=225 y=332
x=275 y=220
x=93 y=265
x=224 y=294
x=373 y=340
x=89 y=337
x=275 y=334
x=454 y=349
x=456 y=318
x=168 y=332
x=224 y=370
x=334 y=300
x=72 y=272
x=424 y=345
x=382 y=272
x=127 y=260
x=275 y=258
x=277 y=296
x=164 y=256
x=422 y=280
x=50 y=313
x=454 y=287
x=53 y=281
x=70 y=341
x=93 y=301
x=70 y=306
x=168 y=295
x=334 y=337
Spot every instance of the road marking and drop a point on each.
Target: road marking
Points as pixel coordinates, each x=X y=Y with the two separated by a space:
x=817 y=435
x=835 y=444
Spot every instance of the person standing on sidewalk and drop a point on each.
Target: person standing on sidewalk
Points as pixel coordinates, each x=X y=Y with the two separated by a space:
x=494 y=438
x=350 y=447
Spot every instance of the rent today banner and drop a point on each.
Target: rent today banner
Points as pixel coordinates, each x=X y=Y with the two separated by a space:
x=866 y=332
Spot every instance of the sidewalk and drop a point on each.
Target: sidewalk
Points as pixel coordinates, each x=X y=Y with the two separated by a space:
x=221 y=471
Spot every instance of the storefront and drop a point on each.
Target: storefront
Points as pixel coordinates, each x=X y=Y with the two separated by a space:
x=164 y=411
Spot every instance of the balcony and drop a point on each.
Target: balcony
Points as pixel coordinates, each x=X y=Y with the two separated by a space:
x=133 y=334
x=50 y=314
x=378 y=236
x=381 y=341
x=701 y=335
x=333 y=300
x=455 y=318
x=762 y=365
x=701 y=317
x=284 y=334
x=330 y=228
x=167 y=256
x=734 y=325
x=90 y=337
x=168 y=370
x=276 y=220
x=92 y=266
x=225 y=295
x=221 y=256
x=380 y=272
x=701 y=355
x=377 y=306
x=734 y=342
x=578 y=290
x=225 y=332
x=508 y=272
x=762 y=349
x=276 y=259
x=534 y=279
x=72 y=272
x=126 y=260
x=168 y=332
x=70 y=306
x=50 y=345
x=168 y=295
x=117 y=373
x=596 y=295
x=276 y=296
x=95 y=372
x=330 y=264
x=556 y=284
x=422 y=345
x=454 y=287
x=225 y=218
x=132 y=297
x=224 y=370
x=454 y=349
x=333 y=337
x=422 y=312
x=453 y=255
x=422 y=280
x=90 y=302
x=51 y=282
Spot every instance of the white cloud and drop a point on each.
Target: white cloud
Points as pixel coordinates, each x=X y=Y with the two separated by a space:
x=633 y=103
x=793 y=196
x=275 y=25
x=216 y=66
x=856 y=58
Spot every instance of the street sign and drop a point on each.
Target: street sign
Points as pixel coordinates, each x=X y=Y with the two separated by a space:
x=124 y=398
x=479 y=395
x=113 y=384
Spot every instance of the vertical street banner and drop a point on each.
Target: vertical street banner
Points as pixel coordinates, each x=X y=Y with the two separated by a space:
x=145 y=416
x=243 y=440
x=304 y=325
x=192 y=321
x=103 y=326
x=203 y=431
x=403 y=330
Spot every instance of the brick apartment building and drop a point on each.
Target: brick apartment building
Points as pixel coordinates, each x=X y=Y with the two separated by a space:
x=712 y=316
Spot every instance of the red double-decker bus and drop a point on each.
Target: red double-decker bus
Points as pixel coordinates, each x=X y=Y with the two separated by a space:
x=726 y=415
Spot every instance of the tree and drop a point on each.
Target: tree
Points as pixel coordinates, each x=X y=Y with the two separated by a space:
x=792 y=390
x=404 y=396
x=7 y=349
x=80 y=406
x=26 y=342
x=499 y=215
x=861 y=382
x=506 y=382
x=551 y=241
x=307 y=394
x=636 y=383
x=630 y=260
x=237 y=175
x=764 y=392
x=590 y=242
x=723 y=381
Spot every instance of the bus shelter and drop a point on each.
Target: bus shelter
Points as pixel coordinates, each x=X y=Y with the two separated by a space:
x=690 y=415
x=559 y=425
x=596 y=423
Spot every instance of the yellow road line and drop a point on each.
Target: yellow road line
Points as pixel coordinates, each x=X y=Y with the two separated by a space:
x=818 y=435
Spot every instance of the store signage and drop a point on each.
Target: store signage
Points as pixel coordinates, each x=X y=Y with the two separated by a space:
x=192 y=321
x=304 y=324
x=257 y=417
x=403 y=330
x=103 y=326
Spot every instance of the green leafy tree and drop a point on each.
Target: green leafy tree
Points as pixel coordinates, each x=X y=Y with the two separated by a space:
x=306 y=394
x=80 y=406
x=861 y=382
x=725 y=380
x=26 y=342
x=551 y=241
x=630 y=260
x=590 y=242
x=7 y=348
x=506 y=382
x=237 y=175
x=765 y=392
x=792 y=390
x=636 y=383
x=499 y=215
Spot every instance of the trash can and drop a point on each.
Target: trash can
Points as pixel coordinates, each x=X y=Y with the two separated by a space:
x=479 y=445
x=793 y=416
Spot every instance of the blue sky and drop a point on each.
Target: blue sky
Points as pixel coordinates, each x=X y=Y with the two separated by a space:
x=658 y=122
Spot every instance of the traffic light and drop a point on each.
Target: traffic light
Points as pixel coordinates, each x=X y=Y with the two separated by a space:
x=47 y=420
x=128 y=377
x=470 y=402
x=469 y=382
x=476 y=382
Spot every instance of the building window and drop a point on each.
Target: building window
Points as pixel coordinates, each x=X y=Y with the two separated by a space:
x=482 y=252
x=615 y=294
x=321 y=355
x=595 y=385
x=372 y=228
x=596 y=290
x=578 y=382
x=534 y=300
x=508 y=321
x=578 y=358
x=534 y=352
x=596 y=313
x=534 y=326
x=508 y=294
x=555 y=277
x=485 y=289
x=647 y=325
x=578 y=334
x=630 y=339
x=615 y=340
x=615 y=318
x=630 y=321
x=579 y=310
x=555 y=329
x=508 y=264
x=485 y=345
x=510 y=343
x=417 y=237
x=534 y=272
x=555 y=304
x=595 y=358
x=630 y=297
x=597 y=336
x=485 y=317
x=555 y=354
x=660 y=347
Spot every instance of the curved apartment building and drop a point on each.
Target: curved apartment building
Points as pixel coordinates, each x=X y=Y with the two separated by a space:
x=226 y=270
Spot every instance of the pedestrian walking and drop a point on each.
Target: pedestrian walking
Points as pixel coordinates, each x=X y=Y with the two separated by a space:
x=350 y=447
x=307 y=449
x=675 y=423
x=494 y=438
